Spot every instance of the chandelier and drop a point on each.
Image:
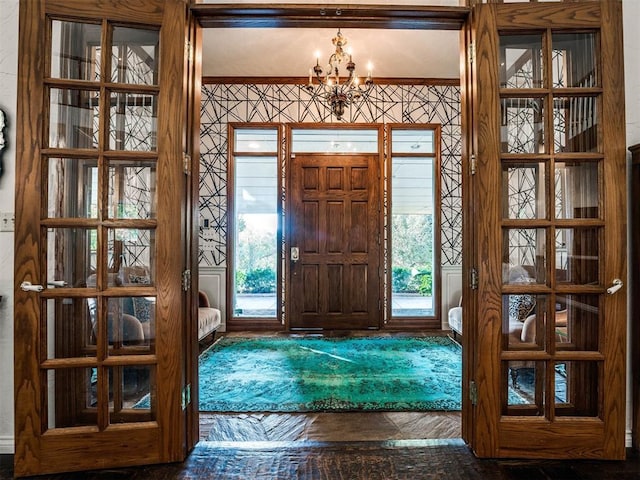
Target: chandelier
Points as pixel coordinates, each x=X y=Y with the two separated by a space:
x=336 y=91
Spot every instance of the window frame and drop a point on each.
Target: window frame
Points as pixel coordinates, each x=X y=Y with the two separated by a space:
x=398 y=322
x=254 y=323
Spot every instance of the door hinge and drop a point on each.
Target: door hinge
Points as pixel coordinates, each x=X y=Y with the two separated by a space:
x=186 y=280
x=474 y=164
x=186 y=396
x=473 y=392
x=188 y=49
x=474 y=278
x=187 y=163
x=471 y=52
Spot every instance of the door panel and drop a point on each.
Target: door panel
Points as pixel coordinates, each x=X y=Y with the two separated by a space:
x=99 y=220
x=549 y=136
x=334 y=224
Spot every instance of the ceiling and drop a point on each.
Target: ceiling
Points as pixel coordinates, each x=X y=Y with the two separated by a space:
x=291 y=52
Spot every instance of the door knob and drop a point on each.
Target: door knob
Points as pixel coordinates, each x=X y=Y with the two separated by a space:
x=617 y=285
x=29 y=287
x=295 y=254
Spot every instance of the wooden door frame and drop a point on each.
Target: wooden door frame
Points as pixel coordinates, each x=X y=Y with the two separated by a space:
x=161 y=440
x=497 y=433
x=289 y=128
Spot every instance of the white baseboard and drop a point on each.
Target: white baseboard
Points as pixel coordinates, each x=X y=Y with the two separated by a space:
x=7 y=446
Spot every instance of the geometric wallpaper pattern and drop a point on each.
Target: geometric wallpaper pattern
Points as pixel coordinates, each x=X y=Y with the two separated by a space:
x=225 y=103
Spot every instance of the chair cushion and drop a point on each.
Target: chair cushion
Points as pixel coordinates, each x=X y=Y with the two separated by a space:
x=208 y=320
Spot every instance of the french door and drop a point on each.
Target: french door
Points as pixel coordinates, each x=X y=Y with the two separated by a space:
x=548 y=211
x=100 y=235
x=334 y=242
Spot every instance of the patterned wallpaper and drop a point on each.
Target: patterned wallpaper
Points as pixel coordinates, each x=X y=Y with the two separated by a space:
x=224 y=103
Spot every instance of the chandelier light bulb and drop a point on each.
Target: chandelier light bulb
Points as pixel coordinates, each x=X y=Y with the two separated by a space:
x=337 y=88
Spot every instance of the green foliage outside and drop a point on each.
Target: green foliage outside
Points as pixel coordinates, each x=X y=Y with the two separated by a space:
x=255 y=259
x=412 y=267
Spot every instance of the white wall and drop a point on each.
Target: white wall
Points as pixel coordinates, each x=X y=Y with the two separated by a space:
x=8 y=69
x=8 y=95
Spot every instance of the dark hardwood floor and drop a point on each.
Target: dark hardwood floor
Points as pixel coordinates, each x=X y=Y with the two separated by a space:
x=349 y=446
x=387 y=460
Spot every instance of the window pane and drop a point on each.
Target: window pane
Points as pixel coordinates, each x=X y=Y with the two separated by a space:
x=521 y=63
x=256 y=226
x=413 y=141
x=133 y=121
x=131 y=257
x=524 y=319
x=71 y=396
x=577 y=322
x=75 y=52
x=132 y=189
x=526 y=249
x=574 y=60
x=522 y=129
x=524 y=190
x=256 y=140
x=526 y=392
x=576 y=121
x=71 y=255
x=132 y=392
x=73 y=118
x=72 y=188
x=577 y=262
x=70 y=328
x=412 y=190
x=577 y=190
x=134 y=56
x=335 y=141
x=577 y=387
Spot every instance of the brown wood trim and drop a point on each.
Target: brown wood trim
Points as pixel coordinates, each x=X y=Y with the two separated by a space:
x=152 y=11
x=209 y=80
x=530 y=15
x=413 y=324
x=323 y=16
x=634 y=278
x=237 y=324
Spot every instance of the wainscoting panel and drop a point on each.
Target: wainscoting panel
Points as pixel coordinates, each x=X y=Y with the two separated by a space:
x=212 y=282
x=451 y=290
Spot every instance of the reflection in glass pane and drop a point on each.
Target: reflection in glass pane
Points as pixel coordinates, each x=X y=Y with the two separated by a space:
x=130 y=323
x=134 y=56
x=334 y=141
x=577 y=262
x=75 y=50
x=71 y=397
x=575 y=124
x=574 y=60
x=72 y=188
x=577 y=388
x=524 y=190
x=522 y=128
x=577 y=190
x=256 y=227
x=133 y=121
x=132 y=393
x=523 y=321
x=71 y=255
x=577 y=322
x=132 y=189
x=526 y=392
x=256 y=140
x=526 y=262
x=73 y=118
x=413 y=141
x=71 y=327
x=412 y=236
x=131 y=256
x=521 y=64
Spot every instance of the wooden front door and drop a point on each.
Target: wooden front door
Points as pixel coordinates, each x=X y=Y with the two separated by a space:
x=548 y=209
x=334 y=242
x=100 y=235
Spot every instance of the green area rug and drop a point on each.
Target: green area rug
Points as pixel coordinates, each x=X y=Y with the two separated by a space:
x=331 y=374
